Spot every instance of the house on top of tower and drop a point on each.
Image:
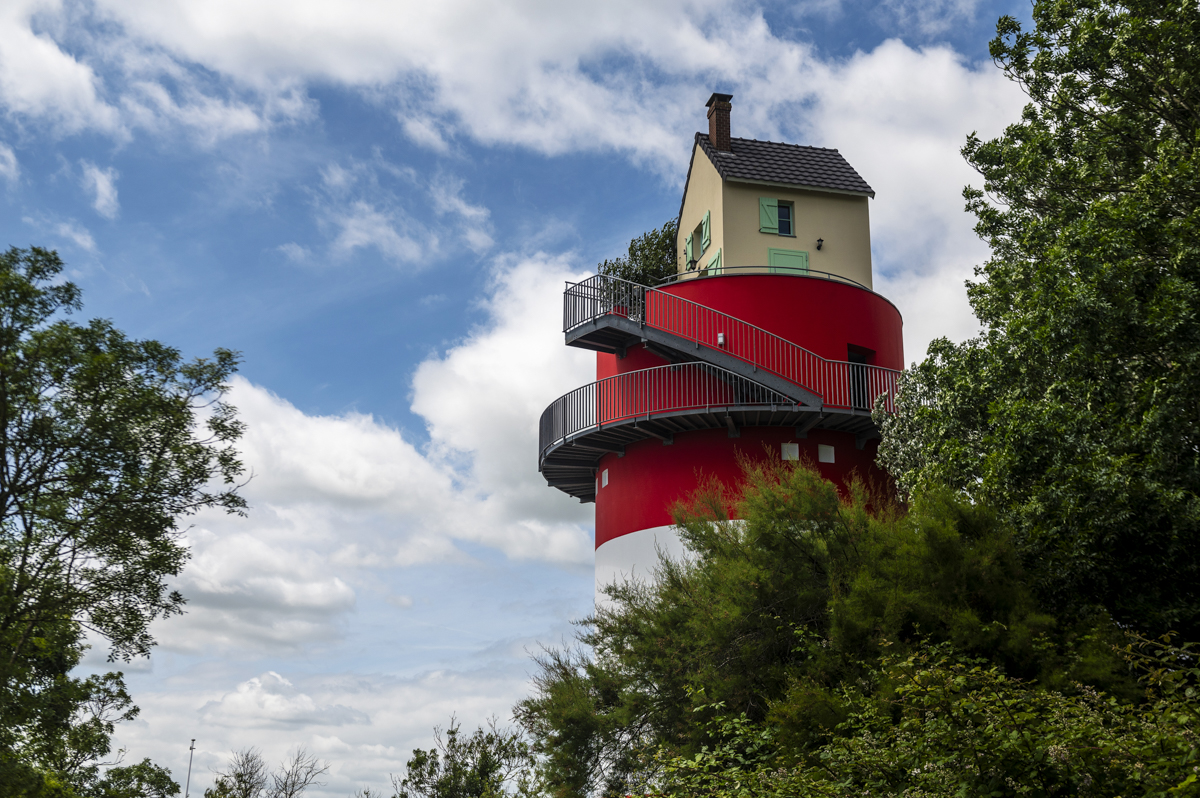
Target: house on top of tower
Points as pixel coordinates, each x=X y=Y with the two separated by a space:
x=768 y=342
x=761 y=206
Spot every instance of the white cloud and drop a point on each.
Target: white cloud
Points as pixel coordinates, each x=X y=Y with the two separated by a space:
x=102 y=185
x=483 y=398
x=294 y=252
x=69 y=230
x=38 y=78
x=931 y=17
x=517 y=72
x=900 y=116
x=365 y=725
x=271 y=701
x=555 y=78
x=342 y=508
x=77 y=233
x=148 y=104
x=361 y=225
x=336 y=497
x=10 y=169
x=423 y=131
x=374 y=204
x=248 y=589
x=474 y=225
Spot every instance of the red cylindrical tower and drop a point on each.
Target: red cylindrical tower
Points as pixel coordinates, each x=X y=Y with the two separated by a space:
x=752 y=349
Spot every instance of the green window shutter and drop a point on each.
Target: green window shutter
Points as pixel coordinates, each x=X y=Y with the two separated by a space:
x=688 y=252
x=787 y=261
x=706 y=234
x=768 y=215
x=714 y=263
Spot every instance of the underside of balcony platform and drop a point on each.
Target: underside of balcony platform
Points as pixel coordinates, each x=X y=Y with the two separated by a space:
x=570 y=464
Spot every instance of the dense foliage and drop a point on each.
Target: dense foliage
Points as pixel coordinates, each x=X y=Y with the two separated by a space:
x=952 y=726
x=106 y=442
x=776 y=614
x=651 y=257
x=1075 y=413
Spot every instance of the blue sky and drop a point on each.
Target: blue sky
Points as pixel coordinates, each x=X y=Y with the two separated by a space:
x=377 y=203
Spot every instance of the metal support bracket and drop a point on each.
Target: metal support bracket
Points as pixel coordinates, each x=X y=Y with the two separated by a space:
x=667 y=439
x=734 y=432
x=813 y=420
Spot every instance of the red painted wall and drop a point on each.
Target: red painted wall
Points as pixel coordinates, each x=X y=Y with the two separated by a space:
x=821 y=315
x=651 y=477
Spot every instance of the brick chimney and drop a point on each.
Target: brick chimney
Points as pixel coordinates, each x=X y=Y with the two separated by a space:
x=718 y=121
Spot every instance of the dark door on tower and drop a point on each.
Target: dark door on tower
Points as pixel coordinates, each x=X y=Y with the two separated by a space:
x=859 y=395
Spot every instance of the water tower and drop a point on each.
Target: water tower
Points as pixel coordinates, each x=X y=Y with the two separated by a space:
x=769 y=339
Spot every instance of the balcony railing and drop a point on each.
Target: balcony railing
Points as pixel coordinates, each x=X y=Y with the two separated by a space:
x=647 y=393
x=840 y=384
x=729 y=271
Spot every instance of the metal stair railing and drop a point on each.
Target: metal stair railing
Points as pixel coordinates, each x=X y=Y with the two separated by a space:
x=646 y=393
x=840 y=384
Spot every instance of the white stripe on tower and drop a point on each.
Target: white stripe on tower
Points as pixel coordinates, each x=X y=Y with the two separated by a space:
x=634 y=556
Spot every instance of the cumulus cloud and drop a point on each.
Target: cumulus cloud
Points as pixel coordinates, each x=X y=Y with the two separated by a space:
x=102 y=185
x=249 y=589
x=334 y=497
x=900 y=116
x=40 y=79
x=520 y=73
x=515 y=72
x=271 y=701
x=366 y=725
x=484 y=397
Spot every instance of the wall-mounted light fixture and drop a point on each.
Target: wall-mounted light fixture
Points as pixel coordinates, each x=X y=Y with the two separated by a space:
x=820 y=241
x=691 y=264
x=720 y=339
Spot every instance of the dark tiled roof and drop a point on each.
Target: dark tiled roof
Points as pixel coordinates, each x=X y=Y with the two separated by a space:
x=789 y=164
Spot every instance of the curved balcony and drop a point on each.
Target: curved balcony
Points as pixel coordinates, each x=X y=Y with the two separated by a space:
x=580 y=427
x=608 y=313
x=731 y=271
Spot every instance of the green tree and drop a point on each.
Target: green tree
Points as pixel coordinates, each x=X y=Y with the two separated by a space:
x=1074 y=414
x=490 y=763
x=771 y=615
x=105 y=443
x=651 y=258
x=954 y=726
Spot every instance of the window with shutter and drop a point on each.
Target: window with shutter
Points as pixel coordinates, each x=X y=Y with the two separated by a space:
x=785 y=219
x=691 y=261
x=768 y=215
x=706 y=235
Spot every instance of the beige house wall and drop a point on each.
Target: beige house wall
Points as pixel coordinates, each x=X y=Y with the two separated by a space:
x=703 y=194
x=842 y=220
